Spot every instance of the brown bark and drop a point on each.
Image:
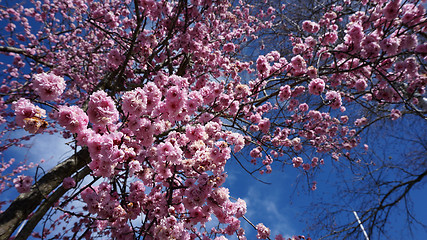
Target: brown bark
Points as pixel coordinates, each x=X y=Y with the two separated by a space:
x=26 y=203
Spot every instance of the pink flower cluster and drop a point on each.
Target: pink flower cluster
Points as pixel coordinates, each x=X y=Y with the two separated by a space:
x=23 y=183
x=106 y=153
x=99 y=200
x=73 y=118
x=299 y=65
x=28 y=115
x=310 y=26
x=229 y=47
x=316 y=86
x=48 y=86
x=391 y=10
x=68 y=183
x=101 y=109
x=263 y=66
x=395 y=114
x=262 y=231
x=285 y=92
x=334 y=98
x=115 y=58
x=135 y=101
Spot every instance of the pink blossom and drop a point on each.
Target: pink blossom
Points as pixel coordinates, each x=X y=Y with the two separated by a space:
x=101 y=109
x=292 y=104
x=314 y=161
x=316 y=86
x=193 y=102
x=25 y=111
x=168 y=152
x=270 y=10
x=84 y=136
x=137 y=192
x=361 y=85
x=134 y=102
x=395 y=114
x=314 y=186
x=220 y=238
x=263 y=66
x=298 y=64
x=361 y=121
x=390 y=45
x=412 y=14
x=408 y=41
x=179 y=81
x=154 y=95
x=195 y=133
x=72 y=118
x=310 y=26
x=262 y=231
x=173 y=107
x=370 y=45
x=391 y=10
x=334 y=98
x=299 y=48
x=412 y=65
x=355 y=31
x=297 y=161
x=330 y=15
x=242 y=90
x=303 y=107
x=279 y=237
x=158 y=137
x=273 y=56
x=23 y=183
x=329 y=38
x=68 y=183
x=264 y=125
x=312 y=72
x=236 y=139
x=240 y=208
x=220 y=195
x=421 y=48
x=207 y=94
x=298 y=90
x=48 y=86
x=229 y=47
x=255 y=118
x=306 y=166
x=174 y=94
x=10 y=27
x=256 y=153
x=285 y=93
x=134 y=167
x=115 y=58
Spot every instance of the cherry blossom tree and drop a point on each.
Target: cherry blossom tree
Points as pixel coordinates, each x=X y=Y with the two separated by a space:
x=381 y=189
x=383 y=193
x=157 y=96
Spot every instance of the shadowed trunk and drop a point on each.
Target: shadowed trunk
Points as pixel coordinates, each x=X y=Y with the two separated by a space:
x=26 y=203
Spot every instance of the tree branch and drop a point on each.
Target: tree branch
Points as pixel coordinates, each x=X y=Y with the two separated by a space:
x=26 y=203
x=46 y=205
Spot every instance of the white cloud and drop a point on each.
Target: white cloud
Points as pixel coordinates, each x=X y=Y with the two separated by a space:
x=269 y=205
x=52 y=148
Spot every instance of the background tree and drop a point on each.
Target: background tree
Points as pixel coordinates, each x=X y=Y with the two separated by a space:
x=157 y=96
x=380 y=188
x=381 y=193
